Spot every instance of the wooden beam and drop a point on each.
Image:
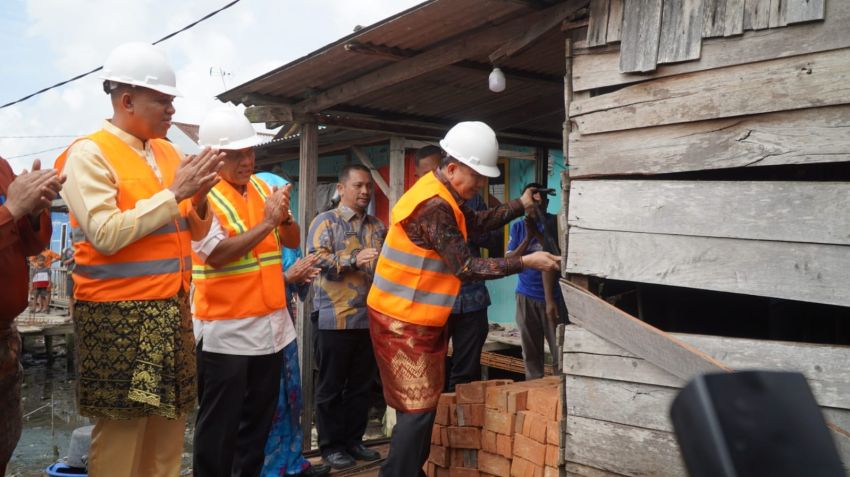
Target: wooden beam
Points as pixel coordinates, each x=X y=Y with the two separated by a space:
x=376 y=176
x=805 y=136
x=659 y=348
x=400 y=54
x=268 y=113
x=815 y=273
x=396 y=169
x=506 y=153
x=793 y=211
x=308 y=168
x=800 y=82
x=466 y=46
x=534 y=30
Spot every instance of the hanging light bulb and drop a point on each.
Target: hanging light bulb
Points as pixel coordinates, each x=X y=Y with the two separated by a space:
x=496 y=80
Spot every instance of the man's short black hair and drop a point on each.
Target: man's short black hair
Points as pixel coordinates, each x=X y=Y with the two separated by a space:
x=346 y=171
x=426 y=151
x=446 y=160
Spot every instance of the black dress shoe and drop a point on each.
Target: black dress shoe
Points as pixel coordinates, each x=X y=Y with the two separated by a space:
x=361 y=452
x=339 y=460
x=316 y=470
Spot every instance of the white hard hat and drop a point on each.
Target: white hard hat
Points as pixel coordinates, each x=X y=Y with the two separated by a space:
x=474 y=144
x=140 y=64
x=227 y=128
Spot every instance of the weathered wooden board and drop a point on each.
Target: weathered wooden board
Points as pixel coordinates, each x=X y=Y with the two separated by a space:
x=778 y=9
x=662 y=349
x=578 y=470
x=805 y=10
x=586 y=354
x=818 y=79
x=648 y=407
x=603 y=69
x=622 y=449
x=796 y=271
x=639 y=37
x=597 y=26
x=756 y=14
x=615 y=20
x=814 y=212
x=714 y=18
x=681 y=31
x=734 y=17
x=804 y=136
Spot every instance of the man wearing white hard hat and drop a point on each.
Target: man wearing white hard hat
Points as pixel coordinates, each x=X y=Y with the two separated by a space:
x=135 y=205
x=241 y=321
x=418 y=276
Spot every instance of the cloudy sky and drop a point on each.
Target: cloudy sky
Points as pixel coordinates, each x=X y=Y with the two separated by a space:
x=48 y=41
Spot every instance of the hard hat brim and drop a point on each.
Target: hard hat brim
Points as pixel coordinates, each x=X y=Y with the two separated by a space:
x=486 y=171
x=164 y=89
x=252 y=141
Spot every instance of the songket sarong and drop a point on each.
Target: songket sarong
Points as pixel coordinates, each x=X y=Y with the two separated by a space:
x=135 y=358
x=411 y=359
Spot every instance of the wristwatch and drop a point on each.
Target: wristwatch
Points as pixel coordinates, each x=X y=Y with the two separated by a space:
x=352 y=258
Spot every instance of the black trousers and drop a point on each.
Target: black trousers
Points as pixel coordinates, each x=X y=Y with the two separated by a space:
x=237 y=396
x=346 y=373
x=468 y=332
x=409 y=445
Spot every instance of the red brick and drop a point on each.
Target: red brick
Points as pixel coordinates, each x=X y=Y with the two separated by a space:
x=544 y=401
x=439 y=456
x=505 y=445
x=510 y=398
x=436 y=435
x=553 y=433
x=470 y=415
x=464 y=437
x=552 y=455
x=488 y=441
x=551 y=472
x=499 y=421
x=486 y=474
x=441 y=471
x=529 y=449
x=464 y=458
x=453 y=414
x=444 y=436
x=523 y=468
x=430 y=471
x=470 y=393
x=463 y=472
x=532 y=425
x=447 y=398
x=493 y=464
x=442 y=417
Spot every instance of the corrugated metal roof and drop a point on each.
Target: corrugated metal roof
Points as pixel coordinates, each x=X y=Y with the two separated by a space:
x=443 y=96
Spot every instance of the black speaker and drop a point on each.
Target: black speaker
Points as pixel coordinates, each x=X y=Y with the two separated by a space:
x=753 y=423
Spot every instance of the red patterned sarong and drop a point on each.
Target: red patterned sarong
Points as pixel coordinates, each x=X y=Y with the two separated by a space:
x=411 y=359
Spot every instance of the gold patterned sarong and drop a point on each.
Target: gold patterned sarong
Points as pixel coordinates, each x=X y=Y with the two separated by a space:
x=135 y=358
x=411 y=359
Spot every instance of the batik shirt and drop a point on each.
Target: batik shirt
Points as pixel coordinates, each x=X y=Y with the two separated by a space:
x=340 y=290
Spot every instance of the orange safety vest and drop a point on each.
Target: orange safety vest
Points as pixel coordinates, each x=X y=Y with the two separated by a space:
x=411 y=283
x=154 y=267
x=249 y=286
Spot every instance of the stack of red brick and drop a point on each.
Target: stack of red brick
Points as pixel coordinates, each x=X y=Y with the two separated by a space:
x=498 y=428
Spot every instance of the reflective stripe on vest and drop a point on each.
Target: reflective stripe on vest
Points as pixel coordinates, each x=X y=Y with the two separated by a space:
x=132 y=269
x=156 y=266
x=251 y=285
x=414 y=284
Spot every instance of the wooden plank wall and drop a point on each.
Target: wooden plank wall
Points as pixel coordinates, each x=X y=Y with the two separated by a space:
x=605 y=437
x=653 y=32
x=766 y=98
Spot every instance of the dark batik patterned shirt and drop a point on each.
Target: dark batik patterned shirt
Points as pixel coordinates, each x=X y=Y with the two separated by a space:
x=340 y=291
x=432 y=226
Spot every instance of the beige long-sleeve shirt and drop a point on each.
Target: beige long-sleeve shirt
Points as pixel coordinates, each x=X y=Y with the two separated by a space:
x=91 y=190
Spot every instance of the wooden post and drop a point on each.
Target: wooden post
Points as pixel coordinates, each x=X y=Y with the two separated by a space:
x=565 y=175
x=396 y=169
x=308 y=168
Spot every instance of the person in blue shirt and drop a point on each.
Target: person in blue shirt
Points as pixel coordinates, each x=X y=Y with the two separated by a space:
x=539 y=306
